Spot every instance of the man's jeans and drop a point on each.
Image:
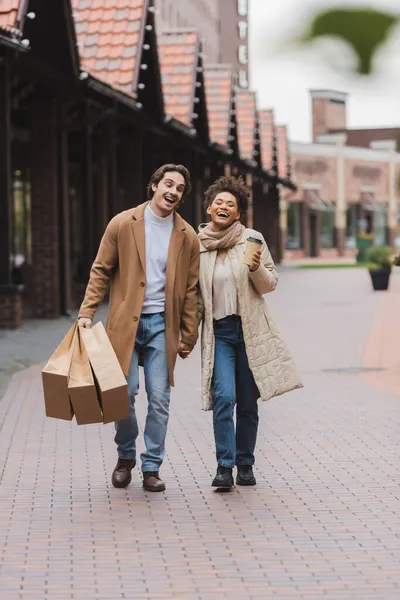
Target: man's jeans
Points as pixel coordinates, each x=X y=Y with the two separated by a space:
x=151 y=345
x=233 y=383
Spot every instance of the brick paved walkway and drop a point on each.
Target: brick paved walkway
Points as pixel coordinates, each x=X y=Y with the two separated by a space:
x=323 y=521
x=382 y=349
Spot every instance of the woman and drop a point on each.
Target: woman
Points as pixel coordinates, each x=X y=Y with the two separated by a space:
x=243 y=355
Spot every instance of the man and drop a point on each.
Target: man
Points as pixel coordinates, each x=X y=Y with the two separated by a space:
x=149 y=257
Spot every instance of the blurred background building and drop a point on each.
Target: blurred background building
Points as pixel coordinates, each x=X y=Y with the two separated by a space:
x=91 y=105
x=347 y=185
x=223 y=27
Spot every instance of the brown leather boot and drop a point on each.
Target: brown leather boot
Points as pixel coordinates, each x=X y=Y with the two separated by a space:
x=122 y=476
x=152 y=482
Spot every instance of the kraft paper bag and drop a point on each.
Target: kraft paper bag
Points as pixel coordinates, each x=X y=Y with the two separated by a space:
x=55 y=379
x=111 y=382
x=81 y=385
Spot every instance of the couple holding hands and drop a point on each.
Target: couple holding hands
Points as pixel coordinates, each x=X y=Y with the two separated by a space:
x=164 y=279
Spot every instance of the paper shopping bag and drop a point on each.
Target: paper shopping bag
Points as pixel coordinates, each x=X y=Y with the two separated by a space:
x=108 y=374
x=81 y=385
x=55 y=379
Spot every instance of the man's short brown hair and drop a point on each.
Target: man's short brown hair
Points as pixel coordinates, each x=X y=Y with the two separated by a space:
x=169 y=168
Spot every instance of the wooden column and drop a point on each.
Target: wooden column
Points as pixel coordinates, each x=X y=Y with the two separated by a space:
x=130 y=168
x=88 y=225
x=250 y=218
x=185 y=156
x=64 y=215
x=10 y=295
x=198 y=191
x=46 y=300
x=273 y=235
x=112 y=166
x=260 y=212
x=5 y=177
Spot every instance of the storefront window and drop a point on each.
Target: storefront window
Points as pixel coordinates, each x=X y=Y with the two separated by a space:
x=380 y=223
x=327 y=224
x=293 y=237
x=22 y=247
x=351 y=227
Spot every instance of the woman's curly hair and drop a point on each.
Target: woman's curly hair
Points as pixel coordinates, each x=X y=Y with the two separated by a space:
x=235 y=186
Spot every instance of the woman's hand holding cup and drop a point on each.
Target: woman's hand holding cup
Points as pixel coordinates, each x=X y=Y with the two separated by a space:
x=256 y=261
x=252 y=255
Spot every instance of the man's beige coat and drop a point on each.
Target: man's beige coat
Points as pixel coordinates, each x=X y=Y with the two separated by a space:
x=120 y=266
x=272 y=366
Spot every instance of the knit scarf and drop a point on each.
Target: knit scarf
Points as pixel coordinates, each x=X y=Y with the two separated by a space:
x=227 y=238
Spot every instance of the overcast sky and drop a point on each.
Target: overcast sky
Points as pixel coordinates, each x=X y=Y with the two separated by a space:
x=282 y=75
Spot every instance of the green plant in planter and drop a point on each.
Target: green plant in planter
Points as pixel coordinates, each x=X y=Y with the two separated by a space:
x=379 y=257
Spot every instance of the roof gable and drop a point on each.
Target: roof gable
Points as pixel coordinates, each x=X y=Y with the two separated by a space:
x=219 y=93
x=110 y=38
x=9 y=16
x=178 y=51
x=267 y=140
x=56 y=45
x=246 y=123
x=283 y=151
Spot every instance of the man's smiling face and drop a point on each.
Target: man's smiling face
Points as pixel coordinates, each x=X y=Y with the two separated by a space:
x=168 y=193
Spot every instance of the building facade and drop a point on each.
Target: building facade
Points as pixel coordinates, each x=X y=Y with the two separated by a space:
x=89 y=108
x=223 y=27
x=344 y=192
x=186 y=14
x=234 y=40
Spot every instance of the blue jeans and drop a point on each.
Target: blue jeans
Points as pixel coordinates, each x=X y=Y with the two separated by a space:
x=151 y=345
x=233 y=383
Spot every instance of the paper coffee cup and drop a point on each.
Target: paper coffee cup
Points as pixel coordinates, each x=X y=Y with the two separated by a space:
x=253 y=244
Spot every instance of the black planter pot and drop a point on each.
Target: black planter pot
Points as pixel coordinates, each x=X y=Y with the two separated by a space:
x=380 y=279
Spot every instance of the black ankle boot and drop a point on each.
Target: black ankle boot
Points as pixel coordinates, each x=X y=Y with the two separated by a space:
x=223 y=478
x=245 y=475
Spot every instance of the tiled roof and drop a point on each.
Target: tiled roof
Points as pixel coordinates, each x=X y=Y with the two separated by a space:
x=178 y=52
x=362 y=138
x=246 y=122
x=218 y=83
x=8 y=14
x=283 y=150
x=267 y=133
x=110 y=37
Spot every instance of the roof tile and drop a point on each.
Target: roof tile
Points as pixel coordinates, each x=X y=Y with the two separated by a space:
x=112 y=27
x=218 y=83
x=178 y=51
x=267 y=133
x=283 y=150
x=8 y=14
x=246 y=122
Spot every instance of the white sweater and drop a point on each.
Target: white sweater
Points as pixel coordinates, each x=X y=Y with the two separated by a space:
x=158 y=232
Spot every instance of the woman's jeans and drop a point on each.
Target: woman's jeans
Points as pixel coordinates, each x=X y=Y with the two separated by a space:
x=150 y=343
x=233 y=383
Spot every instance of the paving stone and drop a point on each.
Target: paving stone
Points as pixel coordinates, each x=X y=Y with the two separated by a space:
x=321 y=523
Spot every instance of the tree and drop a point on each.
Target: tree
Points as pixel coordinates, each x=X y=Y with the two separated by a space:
x=365 y=30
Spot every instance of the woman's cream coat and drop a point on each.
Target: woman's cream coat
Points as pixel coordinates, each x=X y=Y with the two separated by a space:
x=273 y=368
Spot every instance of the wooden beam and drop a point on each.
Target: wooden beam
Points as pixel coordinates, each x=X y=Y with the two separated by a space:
x=88 y=224
x=65 y=226
x=5 y=177
x=112 y=164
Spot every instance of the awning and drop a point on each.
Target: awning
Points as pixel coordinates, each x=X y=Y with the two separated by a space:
x=369 y=202
x=315 y=202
